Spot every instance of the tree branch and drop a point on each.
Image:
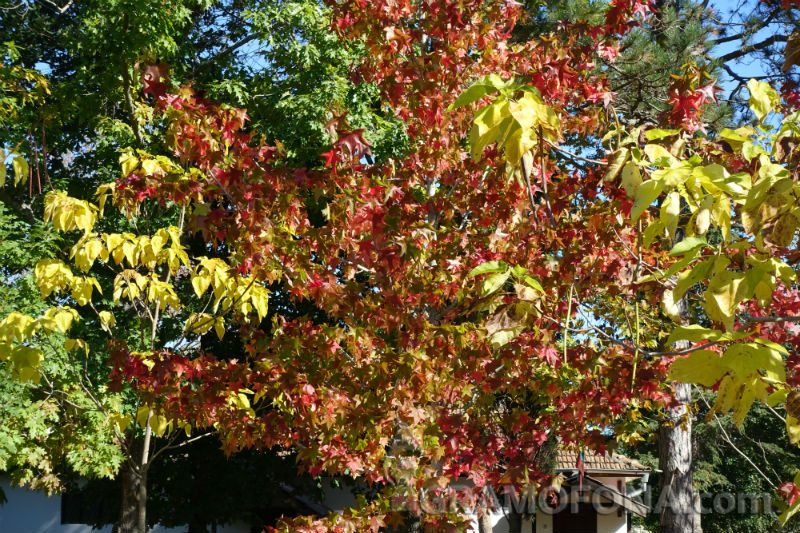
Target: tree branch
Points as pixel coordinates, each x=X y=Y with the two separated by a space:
x=225 y=51
x=61 y=10
x=743 y=51
x=735 y=448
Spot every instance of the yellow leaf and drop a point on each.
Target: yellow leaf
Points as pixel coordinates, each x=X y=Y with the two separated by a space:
x=159 y=424
x=645 y=195
x=15 y=327
x=142 y=416
x=519 y=142
x=763 y=98
x=723 y=297
x=793 y=429
x=201 y=282
x=52 y=274
x=199 y=323
x=129 y=250
x=21 y=170
x=2 y=167
x=727 y=396
x=151 y=167
x=63 y=317
x=102 y=193
x=616 y=164
x=657 y=154
x=69 y=213
x=128 y=162
x=120 y=421
x=71 y=345
x=702 y=366
x=745 y=400
x=631 y=179
x=27 y=361
x=219 y=327
x=488 y=125
x=702 y=218
x=670 y=210
x=107 y=319
x=782 y=233
x=722 y=216
x=260 y=299
x=82 y=289
x=670 y=306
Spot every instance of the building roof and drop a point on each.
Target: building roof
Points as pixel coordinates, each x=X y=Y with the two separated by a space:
x=596 y=463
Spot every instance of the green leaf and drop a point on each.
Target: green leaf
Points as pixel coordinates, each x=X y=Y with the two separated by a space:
x=750 y=151
x=494 y=282
x=696 y=332
x=673 y=176
x=646 y=195
x=490 y=122
x=482 y=87
x=687 y=245
x=532 y=283
x=737 y=136
x=659 y=133
x=763 y=98
x=489 y=266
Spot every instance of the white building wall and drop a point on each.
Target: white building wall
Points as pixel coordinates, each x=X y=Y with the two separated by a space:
x=500 y=524
x=544 y=522
x=612 y=523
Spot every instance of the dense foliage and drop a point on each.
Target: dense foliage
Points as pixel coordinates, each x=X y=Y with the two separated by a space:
x=393 y=263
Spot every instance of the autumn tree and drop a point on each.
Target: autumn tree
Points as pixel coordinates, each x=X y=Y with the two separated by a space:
x=479 y=295
x=401 y=385
x=60 y=142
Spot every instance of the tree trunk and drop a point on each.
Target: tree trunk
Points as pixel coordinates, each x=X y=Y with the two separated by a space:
x=514 y=521
x=676 y=500
x=129 y=507
x=485 y=522
x=133 y=507
x=414 y=523
x=141 y=515
x=675 y=461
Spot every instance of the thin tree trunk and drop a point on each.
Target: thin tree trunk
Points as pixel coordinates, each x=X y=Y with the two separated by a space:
x=514 y=521
x=485 y=522
x=129 y=507
x=133 y=507
x=141 y=514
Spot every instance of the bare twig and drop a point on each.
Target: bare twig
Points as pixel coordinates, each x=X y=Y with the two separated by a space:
x=544 y=180
x=61 y=9
x=574 y=155
x=735 y=448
